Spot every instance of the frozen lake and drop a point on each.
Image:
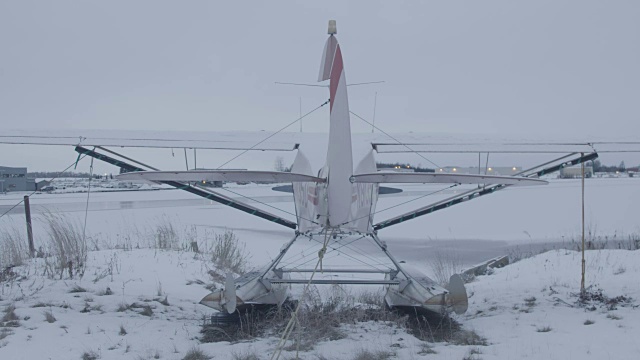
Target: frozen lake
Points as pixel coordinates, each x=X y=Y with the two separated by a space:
x=516 y=219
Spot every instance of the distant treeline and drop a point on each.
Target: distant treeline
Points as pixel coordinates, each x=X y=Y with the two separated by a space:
x=403 y=166
x=66 y=174
x=598 y=167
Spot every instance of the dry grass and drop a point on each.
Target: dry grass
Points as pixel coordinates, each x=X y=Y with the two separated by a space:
x=228 y=253
x=77 y=289
x=13 y=246
x=166 y=236
x=48 y=317
x=196 y=354
x=373 y=355
x=245 y=356
x=445 y=264
x=9 y=317
x=90 y=355
x=66 y=248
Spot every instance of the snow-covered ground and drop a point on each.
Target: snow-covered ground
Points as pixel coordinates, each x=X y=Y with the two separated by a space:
x=526 y=310
x=502 y=305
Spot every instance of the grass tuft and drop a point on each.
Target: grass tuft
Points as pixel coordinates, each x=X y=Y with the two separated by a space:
x=9 y=317
x=77 y=289
x=48 y=317
x=196 y=354
x=229 y=254
x=373 y=355
x=244 y=356
x=90 y=355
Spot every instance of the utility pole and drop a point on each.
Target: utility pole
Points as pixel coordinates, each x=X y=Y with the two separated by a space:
x=300 y=114
x=583 y=262
x=27 y=214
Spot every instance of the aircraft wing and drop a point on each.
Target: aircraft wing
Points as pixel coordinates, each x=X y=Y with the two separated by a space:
x=220 y=175
x=393 y=177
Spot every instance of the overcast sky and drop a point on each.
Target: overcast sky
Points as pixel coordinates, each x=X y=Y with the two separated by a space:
x=475 y=66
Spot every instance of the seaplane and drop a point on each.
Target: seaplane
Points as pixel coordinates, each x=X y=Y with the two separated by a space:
x=335 y=204
x=332 y=203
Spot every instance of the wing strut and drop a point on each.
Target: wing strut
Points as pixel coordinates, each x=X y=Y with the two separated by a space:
x=475 y=193
x=205 y=193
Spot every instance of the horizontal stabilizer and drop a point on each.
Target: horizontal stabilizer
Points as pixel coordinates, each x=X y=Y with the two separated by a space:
x=391 y=177
x=219 y=175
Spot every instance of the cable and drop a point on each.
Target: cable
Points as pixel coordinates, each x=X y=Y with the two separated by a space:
x=396 y=140
x=265 y=204
x=274 y=134
x=403 y=203
x=53 y=178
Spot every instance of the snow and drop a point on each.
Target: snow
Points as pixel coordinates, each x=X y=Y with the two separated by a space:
x=498 y=311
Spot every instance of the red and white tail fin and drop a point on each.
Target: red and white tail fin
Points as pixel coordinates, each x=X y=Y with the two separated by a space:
x=339 y=156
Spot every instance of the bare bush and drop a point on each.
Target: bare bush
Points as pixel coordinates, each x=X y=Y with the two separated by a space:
x=165 y=235
x=468 y=337
x=228 y=253
x=66 y=247
x=445 y=264
x=9 y=317
x=196 y=354
x=245 y=356
x=90 y=355
x=12 y=246
x=318 y=320
x=373 y=355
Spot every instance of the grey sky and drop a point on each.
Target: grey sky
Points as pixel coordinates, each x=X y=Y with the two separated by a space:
x=476 y=66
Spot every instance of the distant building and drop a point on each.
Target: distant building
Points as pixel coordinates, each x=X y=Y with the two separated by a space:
x=41 y=184
x=15 y=179
x=491 y=170
x=573 y=172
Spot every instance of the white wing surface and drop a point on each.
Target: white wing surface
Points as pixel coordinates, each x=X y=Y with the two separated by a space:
x=390 y=177
x=219 y=175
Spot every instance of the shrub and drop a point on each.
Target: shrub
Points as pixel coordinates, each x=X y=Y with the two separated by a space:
x=9 y=318
x=373 y=355
x=90 y=355
x=66 y=246
x=445 y=264
x=12 y=247
x=196 y=354
x=165 y=235
x=228 y=253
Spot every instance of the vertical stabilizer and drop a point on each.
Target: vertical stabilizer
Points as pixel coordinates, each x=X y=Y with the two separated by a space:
x=339 y=156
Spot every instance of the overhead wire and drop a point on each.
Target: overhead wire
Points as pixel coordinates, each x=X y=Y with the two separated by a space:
x=265 y=204
x=274 y=134
x=396 y=140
